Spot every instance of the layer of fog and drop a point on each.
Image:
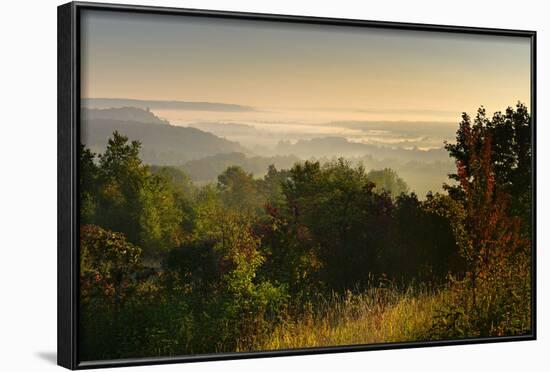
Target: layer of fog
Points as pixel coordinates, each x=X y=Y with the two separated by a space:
x=263 y=130
x=412 y=143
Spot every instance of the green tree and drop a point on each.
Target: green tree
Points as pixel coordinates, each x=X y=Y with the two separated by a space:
x=387 y=180
x=239 y=190
x=184 y=193
x=127 y=198
x=88 y=185
x=334 y=212
x=271 y=186
x=160 y=219
x=219 y=271
x=122 y=178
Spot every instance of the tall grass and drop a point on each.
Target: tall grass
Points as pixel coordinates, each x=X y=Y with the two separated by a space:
x=378 y=315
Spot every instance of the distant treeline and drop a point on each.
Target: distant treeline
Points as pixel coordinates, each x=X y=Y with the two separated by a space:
x=422 y=177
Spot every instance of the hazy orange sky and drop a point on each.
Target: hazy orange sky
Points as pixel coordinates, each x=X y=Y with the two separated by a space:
x=281 y=66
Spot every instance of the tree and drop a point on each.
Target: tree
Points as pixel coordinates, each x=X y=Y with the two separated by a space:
x=127 y=198
x=510 y=155
x=271 y=186
x=239 y=190
x=334 y=212
x=425 y=248
x=107 y=265
x=122 y=178
x=387 y=180
x=494 y=297
x=183 y=192
x=88 y=185
x=291 y=257
x=218 y=272
x=160 y=219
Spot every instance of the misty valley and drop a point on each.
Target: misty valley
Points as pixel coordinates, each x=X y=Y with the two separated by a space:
x=204 y=149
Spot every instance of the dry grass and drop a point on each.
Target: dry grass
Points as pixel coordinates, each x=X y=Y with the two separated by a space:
x=379 y=315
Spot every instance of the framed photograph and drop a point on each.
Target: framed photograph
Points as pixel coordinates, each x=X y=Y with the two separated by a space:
x=236 y=185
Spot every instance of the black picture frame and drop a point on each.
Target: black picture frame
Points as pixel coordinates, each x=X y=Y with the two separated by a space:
x=68 y=92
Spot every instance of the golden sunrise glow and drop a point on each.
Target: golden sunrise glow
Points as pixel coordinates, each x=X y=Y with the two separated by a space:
x=285 y=67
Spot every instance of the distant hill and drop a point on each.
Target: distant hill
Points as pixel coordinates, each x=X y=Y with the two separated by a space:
x=122 y=114
x=436 y=129
x=165 y=105
x=341 y=147
x=162 y=143
x=226 y=129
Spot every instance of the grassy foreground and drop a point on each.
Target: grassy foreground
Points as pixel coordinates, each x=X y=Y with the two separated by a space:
x=378 y=316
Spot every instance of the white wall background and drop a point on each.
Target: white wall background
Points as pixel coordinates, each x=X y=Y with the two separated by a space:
x=28 y=184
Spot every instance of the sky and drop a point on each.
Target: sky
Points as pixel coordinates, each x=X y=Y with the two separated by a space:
x=319 y=71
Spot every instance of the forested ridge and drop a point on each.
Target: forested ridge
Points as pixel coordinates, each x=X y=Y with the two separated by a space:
x=317 y=254
x=161 y=143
